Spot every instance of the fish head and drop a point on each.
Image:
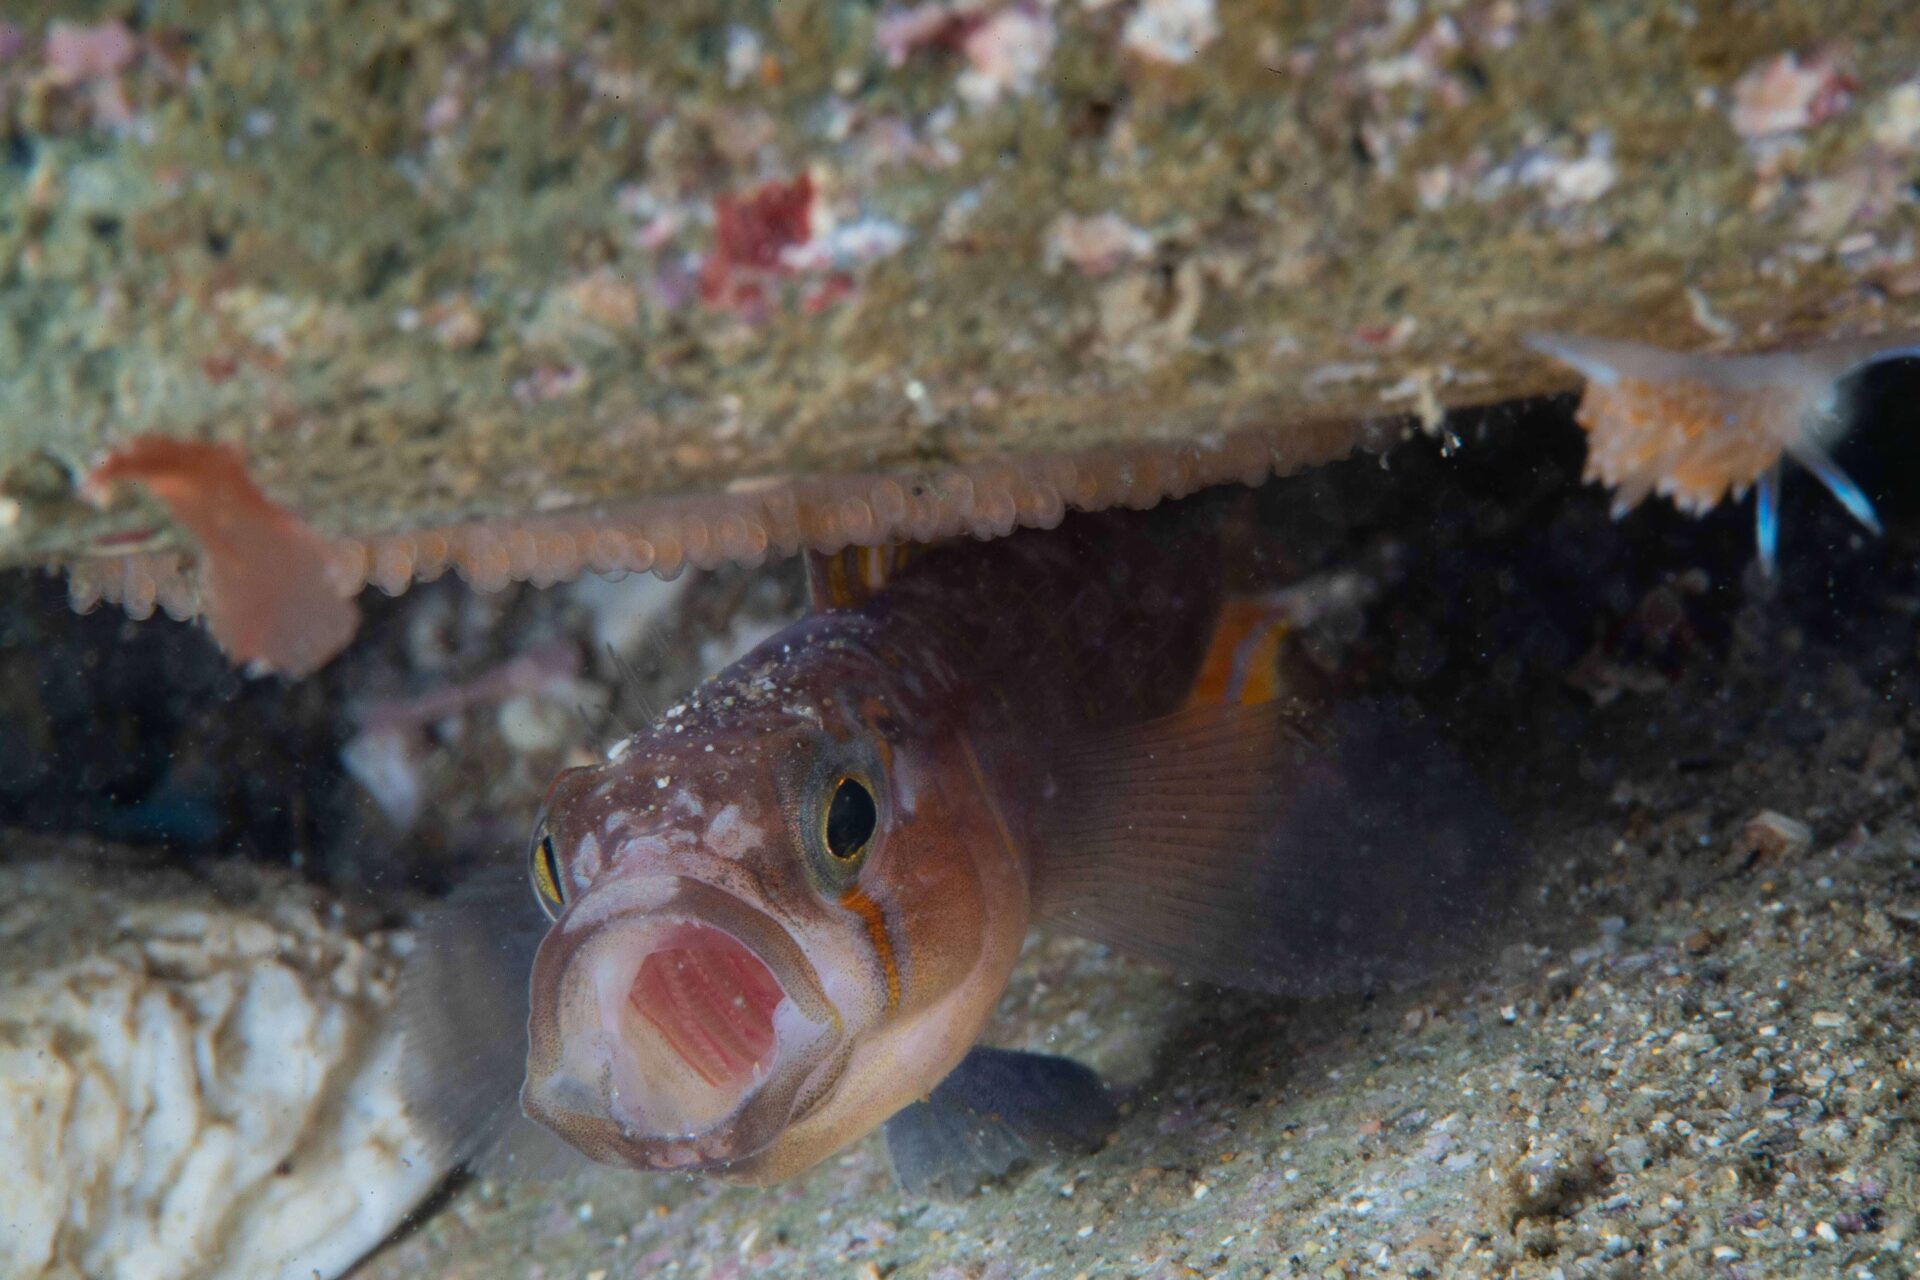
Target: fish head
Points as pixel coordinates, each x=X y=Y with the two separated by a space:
x=765 y=917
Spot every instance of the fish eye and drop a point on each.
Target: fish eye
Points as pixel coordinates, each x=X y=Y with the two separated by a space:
x=547 y=884
x=848 y=823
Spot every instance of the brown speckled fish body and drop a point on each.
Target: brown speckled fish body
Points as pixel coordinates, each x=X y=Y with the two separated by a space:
x=784 y=913
x=722 y=991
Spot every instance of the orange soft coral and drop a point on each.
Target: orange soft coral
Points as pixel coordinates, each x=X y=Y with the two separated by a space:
x=266 y=581
x=1697 y=428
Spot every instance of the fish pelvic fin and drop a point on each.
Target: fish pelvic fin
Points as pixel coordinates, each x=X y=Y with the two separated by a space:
x=462 y=1010
x=1233 y=845
x=997 y=1110
x=848 y=578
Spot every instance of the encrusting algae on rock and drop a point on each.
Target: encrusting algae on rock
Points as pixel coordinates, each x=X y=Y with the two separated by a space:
x=606 y=260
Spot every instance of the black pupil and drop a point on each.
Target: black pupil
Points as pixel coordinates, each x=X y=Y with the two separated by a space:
x=850 y=819
x=551 y=865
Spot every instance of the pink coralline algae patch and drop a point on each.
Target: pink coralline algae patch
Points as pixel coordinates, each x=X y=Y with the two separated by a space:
x=1097 y=245
x=76 y=54
x=783 y=230
x=1006 y=55
x=1005 y=49
x=1785 y=95
x=93 y=75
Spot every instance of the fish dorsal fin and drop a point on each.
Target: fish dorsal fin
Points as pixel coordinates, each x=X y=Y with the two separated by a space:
x=998 y=1109
x=1232 y=845
x=851 y=576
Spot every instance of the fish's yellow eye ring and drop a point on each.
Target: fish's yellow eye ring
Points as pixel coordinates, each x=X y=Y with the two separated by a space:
x=848 y=820
x=548 y=887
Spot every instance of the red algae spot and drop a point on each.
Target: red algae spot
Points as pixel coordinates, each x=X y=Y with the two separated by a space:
x=750 y=235
x=265 y=584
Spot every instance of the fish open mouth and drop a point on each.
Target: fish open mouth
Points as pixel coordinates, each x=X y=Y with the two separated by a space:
x=674 y=1030
x=712 y=1001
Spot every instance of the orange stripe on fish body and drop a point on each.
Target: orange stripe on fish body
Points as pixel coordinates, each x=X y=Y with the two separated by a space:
x=1242 y=663
x=876 y=922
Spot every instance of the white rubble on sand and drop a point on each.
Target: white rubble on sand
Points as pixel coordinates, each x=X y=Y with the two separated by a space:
x=196 y=1077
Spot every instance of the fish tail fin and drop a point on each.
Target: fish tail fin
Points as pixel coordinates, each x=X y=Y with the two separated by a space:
x=462 y=1010
x=1234 y=845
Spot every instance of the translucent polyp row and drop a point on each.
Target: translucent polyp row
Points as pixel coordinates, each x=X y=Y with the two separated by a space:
x=754 y=519
x=138 y=583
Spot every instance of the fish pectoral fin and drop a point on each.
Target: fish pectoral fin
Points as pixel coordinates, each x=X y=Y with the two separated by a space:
x=462 y=1012
x=1231 y=846
x=998 y=1109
